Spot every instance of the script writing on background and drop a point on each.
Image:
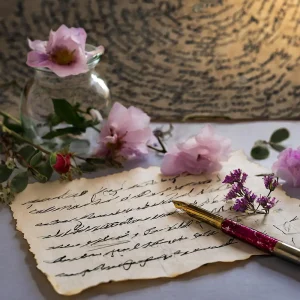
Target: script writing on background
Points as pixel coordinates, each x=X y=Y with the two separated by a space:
x=124 y=226
x=233 y=58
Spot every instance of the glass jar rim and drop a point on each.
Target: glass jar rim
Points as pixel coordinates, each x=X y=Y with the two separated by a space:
x=91 y=62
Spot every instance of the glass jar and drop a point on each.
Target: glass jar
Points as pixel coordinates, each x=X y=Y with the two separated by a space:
x=87 y=89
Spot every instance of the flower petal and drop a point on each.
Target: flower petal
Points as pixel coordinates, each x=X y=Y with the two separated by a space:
x=171 y=165
x=78 y=35
x=37 y=45
x=199 y=154
x=37 y=59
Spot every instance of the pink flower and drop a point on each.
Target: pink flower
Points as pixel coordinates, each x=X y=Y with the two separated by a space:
x=64 y=53
x=125 y=133
x=199 y=154
x=287 y=167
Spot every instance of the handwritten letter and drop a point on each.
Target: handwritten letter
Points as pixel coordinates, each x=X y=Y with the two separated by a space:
x=125 y=226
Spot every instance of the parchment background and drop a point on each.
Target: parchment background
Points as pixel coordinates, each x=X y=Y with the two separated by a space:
x=230 y=58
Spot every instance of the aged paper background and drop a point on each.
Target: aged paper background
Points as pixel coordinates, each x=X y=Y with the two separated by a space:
x=231 y=58
x=124 y=226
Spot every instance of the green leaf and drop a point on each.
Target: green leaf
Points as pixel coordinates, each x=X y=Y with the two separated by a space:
x=5 y=172
x=36 y=158
x=279 y=135
x=27 y=152
x=12 y=126
x=49 y=145
x=62 y=131
x=66 y=112
x=44 y=170
x=277 y=147
x=259 y=152
x=54 y=120
x=19 y=182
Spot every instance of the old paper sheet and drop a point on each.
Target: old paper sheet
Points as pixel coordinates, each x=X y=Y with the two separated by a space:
x=124 y=226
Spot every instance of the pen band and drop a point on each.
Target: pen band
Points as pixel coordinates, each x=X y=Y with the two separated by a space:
x=288 y=252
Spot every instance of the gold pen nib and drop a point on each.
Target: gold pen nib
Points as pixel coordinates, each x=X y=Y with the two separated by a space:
x=179 y=204
x=199 y=213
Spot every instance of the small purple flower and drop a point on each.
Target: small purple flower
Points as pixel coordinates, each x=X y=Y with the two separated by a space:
x=270 y=182
x=234 y=191
x=241 y=204
x=249 y=195
x=266 y=202
x=236 y=176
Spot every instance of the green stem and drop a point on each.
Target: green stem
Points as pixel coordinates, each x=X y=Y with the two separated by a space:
x=19 y=137
x=4 y=114
x=256 y=209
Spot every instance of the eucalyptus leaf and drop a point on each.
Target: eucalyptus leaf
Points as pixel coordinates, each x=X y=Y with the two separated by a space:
x=44 y=170
x=36 y=158
x=66 y=112
x=279 y=135
x=277 y=147
x=19 y=182
x=27 y=152
x=12 y=126
x=54 y=120
x=5 y=172
x=62 y=131
x=260 y=152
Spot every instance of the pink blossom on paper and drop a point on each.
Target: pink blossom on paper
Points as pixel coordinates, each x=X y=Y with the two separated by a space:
x=201 y=153
x=64 y=53
x=287 y=166
x=125 y=134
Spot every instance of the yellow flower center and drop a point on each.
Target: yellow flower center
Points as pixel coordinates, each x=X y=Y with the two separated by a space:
x=63 y=56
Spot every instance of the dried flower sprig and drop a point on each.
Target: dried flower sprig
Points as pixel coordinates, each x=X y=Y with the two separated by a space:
x=245 y=199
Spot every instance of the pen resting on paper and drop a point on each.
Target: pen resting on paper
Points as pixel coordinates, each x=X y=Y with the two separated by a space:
x=244 y=233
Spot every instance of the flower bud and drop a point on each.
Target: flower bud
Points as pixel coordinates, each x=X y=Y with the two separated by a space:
x=10 y=163
x=61 y=163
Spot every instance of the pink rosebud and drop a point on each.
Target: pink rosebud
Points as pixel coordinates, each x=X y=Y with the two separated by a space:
x=287 y=166
x=125 y=134
x=64 y=53
x=199 y=154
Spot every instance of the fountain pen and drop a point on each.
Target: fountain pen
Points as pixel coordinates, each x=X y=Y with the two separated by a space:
x=242 y=232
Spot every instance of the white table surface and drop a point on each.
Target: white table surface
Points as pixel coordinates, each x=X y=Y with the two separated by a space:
x=262 y=277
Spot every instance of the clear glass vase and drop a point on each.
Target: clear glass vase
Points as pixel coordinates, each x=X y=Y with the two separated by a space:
x=87 y=89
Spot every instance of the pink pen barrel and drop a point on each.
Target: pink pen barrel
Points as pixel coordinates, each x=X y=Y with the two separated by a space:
x=249 y=235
